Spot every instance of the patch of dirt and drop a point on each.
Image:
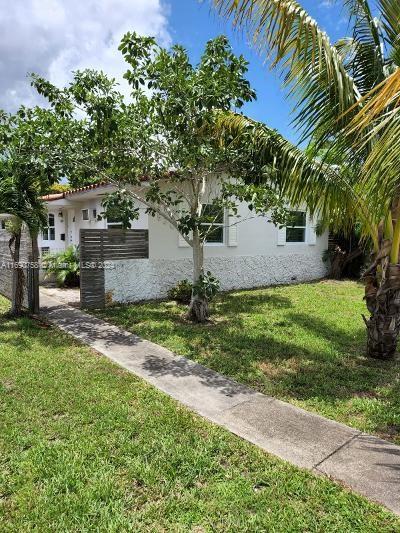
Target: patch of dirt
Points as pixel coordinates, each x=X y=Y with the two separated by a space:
x=392 y=430
x=366 y=394
x=8 y=385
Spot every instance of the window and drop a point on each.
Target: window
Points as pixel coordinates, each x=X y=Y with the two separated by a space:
x=94 y=214
x=49 y=233
x=213 y=216
x=85 y=214
x=45 y=250
x=296 y=232
x=114 y=222
x=3 y=224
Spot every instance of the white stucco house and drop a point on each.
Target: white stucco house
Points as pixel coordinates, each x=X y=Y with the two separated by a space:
x=69 y=212
x=250 y=252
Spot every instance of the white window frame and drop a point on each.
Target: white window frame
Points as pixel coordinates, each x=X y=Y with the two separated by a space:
x=46 y=233
x=217 y=225
x=85 y=212
x=298 y=227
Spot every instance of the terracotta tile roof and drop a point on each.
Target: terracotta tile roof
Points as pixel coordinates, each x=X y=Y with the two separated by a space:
x=51 y=197
x=61 y=195
x=87 y=188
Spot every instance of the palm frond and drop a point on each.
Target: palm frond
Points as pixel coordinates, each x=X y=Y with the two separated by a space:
x=390 y=10
x=363 y=63
x=313 y=68
x=19 y=197
x=328 y=191
x=377 y=127
x=381 y=170
x=366 y=28
x=382 y=104
x=368 y=62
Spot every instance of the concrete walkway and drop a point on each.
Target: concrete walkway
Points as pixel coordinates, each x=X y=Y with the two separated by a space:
x=364 y=463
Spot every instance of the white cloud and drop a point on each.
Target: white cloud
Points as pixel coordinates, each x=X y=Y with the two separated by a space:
x=54 y=37
x=326 y=4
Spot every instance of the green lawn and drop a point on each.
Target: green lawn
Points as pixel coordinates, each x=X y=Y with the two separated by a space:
x=86 y=446
x=304 y=344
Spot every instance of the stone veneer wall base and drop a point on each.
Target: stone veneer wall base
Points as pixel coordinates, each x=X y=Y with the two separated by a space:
x=147 y=279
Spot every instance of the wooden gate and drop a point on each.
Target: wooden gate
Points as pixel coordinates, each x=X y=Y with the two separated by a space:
x=99 y=249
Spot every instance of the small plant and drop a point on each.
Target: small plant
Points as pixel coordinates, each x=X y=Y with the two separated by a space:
x=182 y=292
x=206 y=287
x=65 y=266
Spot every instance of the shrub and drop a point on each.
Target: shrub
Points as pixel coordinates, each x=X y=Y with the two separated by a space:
x=65 y=266
x=182 y=292
x=206 y=287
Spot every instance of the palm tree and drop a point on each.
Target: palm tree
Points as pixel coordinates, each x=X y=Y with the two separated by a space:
x=347 y=96
x=26 y=172
x=19 y=197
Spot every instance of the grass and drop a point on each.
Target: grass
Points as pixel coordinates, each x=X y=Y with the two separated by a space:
x=304 y=344
x=86 y=446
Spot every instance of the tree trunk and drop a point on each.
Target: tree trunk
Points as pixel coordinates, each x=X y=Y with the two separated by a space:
x=341 y=259
x=382 y=295
x=18 y=278
x=34 y=304
x=198 y=309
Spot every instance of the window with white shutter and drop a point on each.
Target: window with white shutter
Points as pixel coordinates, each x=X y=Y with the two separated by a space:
x=232 y=229
x=311 y=231
x=281 y=236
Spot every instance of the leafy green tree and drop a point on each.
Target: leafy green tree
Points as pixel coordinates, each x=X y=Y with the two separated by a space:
x=32 y=157
x=346 y=96
x=162 y=147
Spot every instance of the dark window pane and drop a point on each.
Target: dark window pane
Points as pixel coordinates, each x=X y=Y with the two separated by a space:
x=51 y=219
x=298 y=218
x=295 y=234
x=115 y=226
x=213 y=214
x=45 y=235
x=216 y=235
x=52 y=234
x=113 y=217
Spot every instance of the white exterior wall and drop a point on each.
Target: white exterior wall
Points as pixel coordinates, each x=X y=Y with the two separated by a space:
x=57 y=244
x=254 y=252
x=257 y=260
x=72 y=222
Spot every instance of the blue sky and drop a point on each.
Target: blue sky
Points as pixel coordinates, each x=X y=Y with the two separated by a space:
x=55 y=37
x=192 y=24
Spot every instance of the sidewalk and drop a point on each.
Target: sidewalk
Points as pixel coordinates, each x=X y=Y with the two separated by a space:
x=364 y=463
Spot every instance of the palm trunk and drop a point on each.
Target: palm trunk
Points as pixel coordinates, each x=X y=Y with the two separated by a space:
x=18 y=278
x=382 y=295
x=198 y=309
x=34 y=303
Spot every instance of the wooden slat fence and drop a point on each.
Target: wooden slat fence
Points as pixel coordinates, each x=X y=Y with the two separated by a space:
x=98 y=247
